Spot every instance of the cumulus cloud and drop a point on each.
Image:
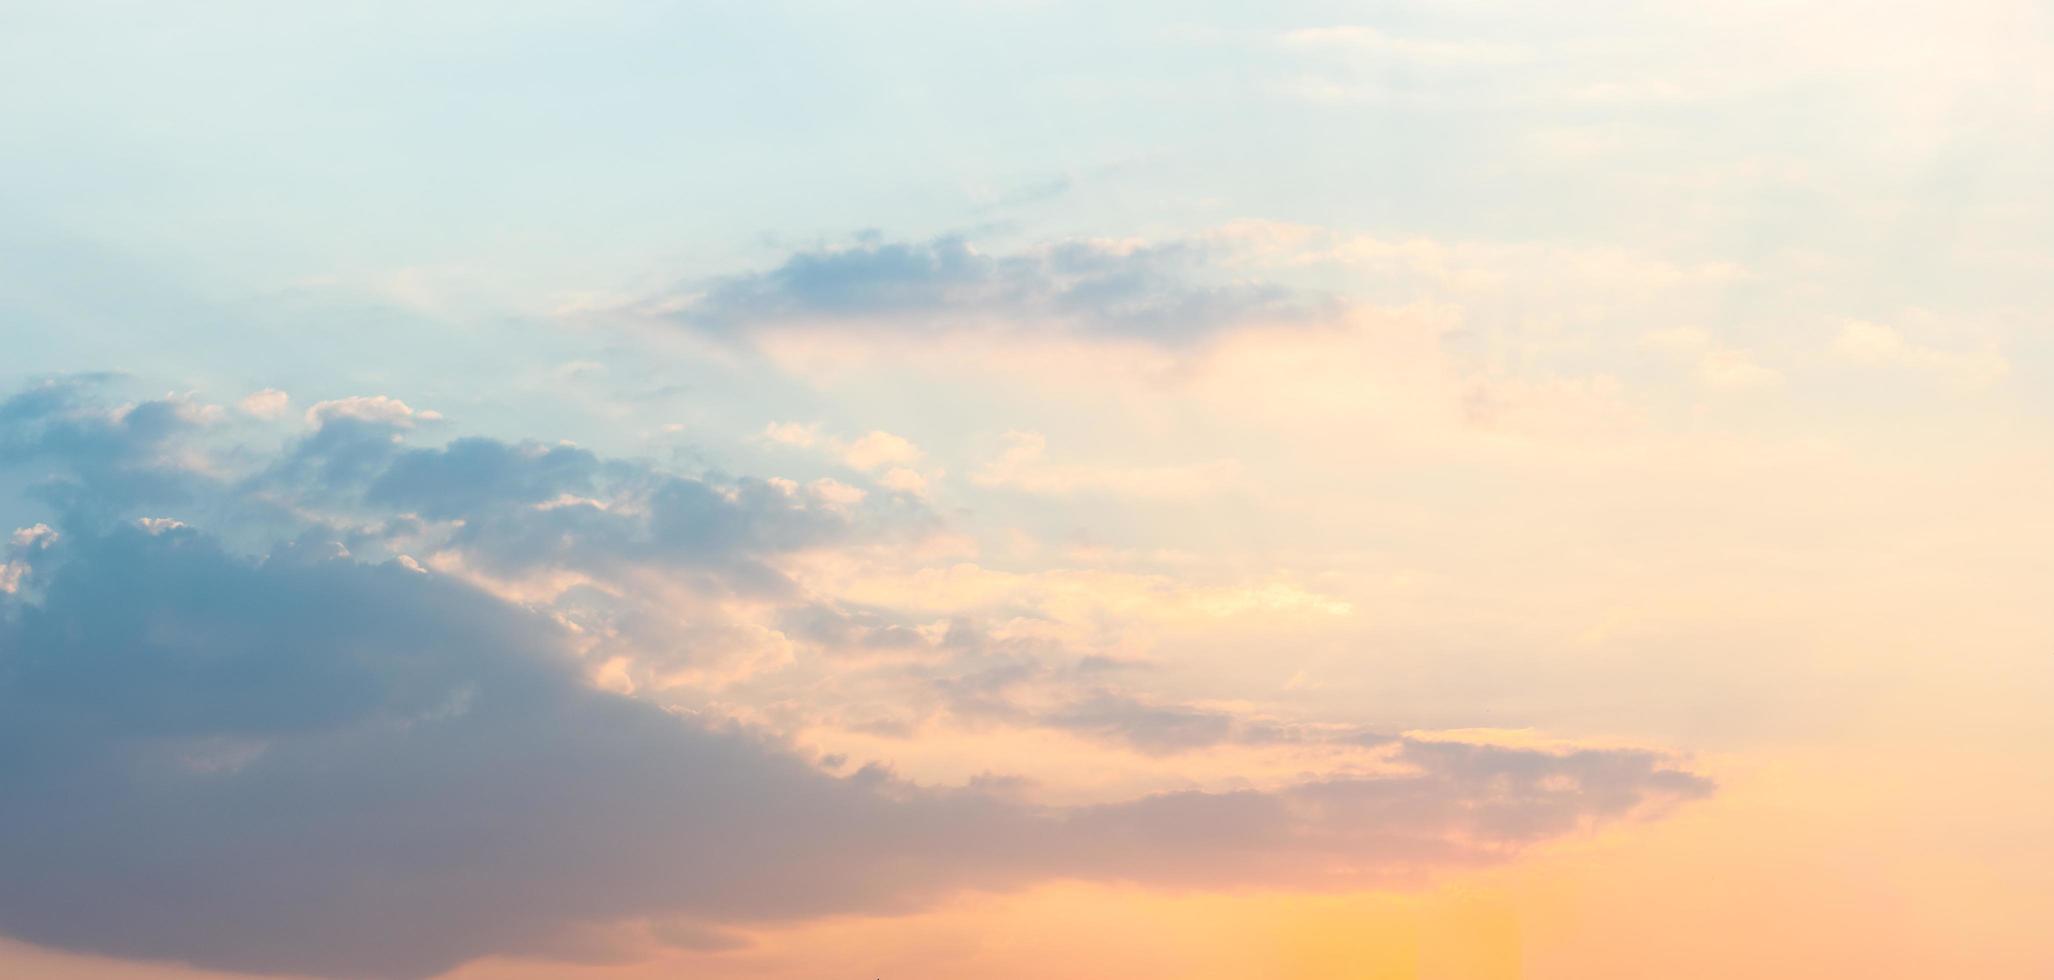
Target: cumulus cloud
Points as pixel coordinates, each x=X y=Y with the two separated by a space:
x=519 y=507
x=549 y=514
x=372 y=408
x=348 y=769
x=84 y=455
x=270 y=403
x=263 y=747
x=792 y=433
x=890 y=456
x=879 y=448
x=471 y=475
x=904 y=480
x=20 y=545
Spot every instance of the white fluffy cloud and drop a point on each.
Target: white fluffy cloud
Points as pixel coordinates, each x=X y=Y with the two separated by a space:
x=369 y=408
x=269 y=403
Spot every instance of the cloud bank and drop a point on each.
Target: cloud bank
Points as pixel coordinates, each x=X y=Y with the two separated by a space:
x=268 y=748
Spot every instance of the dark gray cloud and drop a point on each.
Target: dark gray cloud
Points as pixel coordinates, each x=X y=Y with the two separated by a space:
x=1167 y=291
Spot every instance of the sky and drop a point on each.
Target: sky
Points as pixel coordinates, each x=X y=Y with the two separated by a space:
x=1009 y=488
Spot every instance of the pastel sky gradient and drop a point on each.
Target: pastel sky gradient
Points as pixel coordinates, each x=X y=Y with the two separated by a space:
x=1020 y=488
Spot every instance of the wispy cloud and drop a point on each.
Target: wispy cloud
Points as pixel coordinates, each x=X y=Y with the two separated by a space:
x=1121 y=289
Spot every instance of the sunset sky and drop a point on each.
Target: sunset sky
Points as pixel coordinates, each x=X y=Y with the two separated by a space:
x=619 y=490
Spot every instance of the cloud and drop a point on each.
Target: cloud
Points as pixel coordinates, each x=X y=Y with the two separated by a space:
x=1118 y=289
x=348 y=769
x=513 y=508
x=471 y=475
x=20 y=546
x=86 y=456
x=340 y=768
x=792 y=433
x=374 y=408
x=904 y=481
x=835 y=493
x=282 y=745
x=873 y=451
x=269 y=403
x=879 y=448
x=1149 y=727
x=1875 y=344
x=678 y=558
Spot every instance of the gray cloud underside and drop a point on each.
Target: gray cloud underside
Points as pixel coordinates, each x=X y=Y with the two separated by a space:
x=284 y=760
